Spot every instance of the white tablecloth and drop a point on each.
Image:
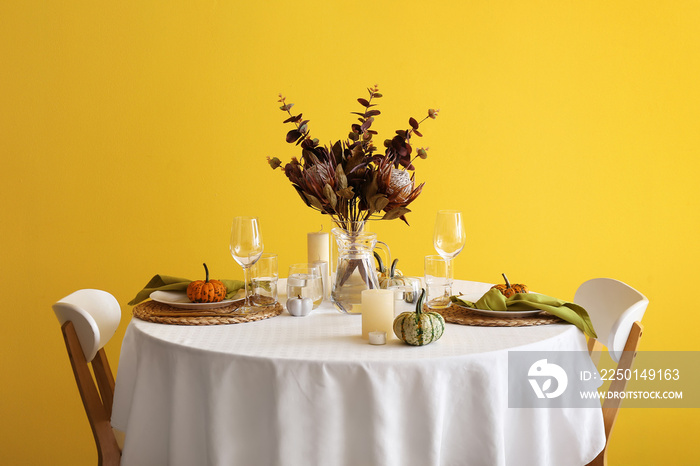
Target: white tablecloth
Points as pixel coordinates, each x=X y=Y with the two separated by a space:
x=310 y=391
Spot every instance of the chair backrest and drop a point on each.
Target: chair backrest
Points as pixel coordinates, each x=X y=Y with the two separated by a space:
x=616 y=310
x=613 y=307
x=89 y=318
x=95 y=315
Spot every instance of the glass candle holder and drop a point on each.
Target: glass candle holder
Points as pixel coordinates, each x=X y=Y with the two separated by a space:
x=406 y=294
x=325 y=278
x=305 y=281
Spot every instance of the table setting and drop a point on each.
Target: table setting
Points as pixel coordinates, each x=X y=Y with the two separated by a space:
x=334 y=349
x=384 y=294
x=353 y=184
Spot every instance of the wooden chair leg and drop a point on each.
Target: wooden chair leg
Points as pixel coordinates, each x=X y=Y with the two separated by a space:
x=611 y=406
x=108 y=451
x=105 y=380
x=595 y=349
x=601 y=459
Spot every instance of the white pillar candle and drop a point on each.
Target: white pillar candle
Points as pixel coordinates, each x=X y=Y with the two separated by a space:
x=377 y=312
x=318 y=247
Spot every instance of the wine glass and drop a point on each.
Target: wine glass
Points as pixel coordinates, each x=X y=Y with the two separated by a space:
x=450 y=235
x=246 y=249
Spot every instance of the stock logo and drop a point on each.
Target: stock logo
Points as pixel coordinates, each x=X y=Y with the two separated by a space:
x=546 y=372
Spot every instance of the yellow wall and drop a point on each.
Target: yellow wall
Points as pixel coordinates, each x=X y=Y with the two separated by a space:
x=132 y=132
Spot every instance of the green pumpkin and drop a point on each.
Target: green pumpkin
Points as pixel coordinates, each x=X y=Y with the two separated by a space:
x=419 y=328
x=393 y=277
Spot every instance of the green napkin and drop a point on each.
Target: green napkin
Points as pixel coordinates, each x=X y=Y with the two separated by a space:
x=494 y=300
x=168 y=283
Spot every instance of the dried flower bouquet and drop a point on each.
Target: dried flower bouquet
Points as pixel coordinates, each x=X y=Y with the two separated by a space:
x=350 y=181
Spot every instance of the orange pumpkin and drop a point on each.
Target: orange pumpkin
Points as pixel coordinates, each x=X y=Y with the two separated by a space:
x=207 y=291
x=509 y=290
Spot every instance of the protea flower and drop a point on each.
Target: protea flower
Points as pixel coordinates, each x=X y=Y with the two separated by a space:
x=400 y=185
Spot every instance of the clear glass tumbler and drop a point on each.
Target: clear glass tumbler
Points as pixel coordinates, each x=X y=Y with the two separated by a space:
x=438 y=282
x=264 y=275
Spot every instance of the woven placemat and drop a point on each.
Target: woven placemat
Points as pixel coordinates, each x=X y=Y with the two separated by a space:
x=459 y=315
x=161 y=313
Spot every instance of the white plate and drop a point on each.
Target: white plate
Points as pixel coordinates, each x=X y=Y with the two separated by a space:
x=180 y=300
x=501 y=313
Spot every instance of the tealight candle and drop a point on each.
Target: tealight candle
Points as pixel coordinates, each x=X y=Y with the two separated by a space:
x=377 y=338
x=377 y=312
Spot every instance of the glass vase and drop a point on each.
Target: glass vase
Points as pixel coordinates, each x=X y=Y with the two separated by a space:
x=355 y=269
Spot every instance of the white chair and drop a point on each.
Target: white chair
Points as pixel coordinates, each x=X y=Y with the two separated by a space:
x=89 y=318
x=616 y=310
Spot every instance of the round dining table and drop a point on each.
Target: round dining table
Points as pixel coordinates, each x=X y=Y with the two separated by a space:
x=311 y=391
